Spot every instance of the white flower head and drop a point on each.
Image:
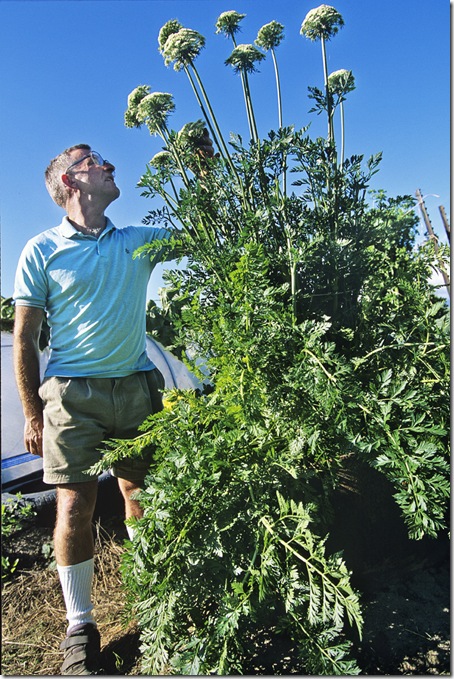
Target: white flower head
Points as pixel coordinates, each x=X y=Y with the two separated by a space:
x=172 y=26
x=244 y=57
x=192 y=132
x=228 y=23
x=270 y=35
x=162 y=160
x=340 y=82
x=134 y=99
x=154 y=109
x=183 y=47
x=323 y=21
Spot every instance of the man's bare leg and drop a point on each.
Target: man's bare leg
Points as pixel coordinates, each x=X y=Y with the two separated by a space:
x=132 y=507
x=74 y=553
x=73 y=535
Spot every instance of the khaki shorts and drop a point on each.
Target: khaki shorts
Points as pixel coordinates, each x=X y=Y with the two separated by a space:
x=82 y=412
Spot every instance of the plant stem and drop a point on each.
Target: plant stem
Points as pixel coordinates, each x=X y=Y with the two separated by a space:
x=213 y=126
x=278 y=87
x=250 y=110
x=204 y=113
x=167 y=140
x=311 y=566
x=327 y=94
x=342 y=135
x=279 y=108
x=247 y=99
x=222 y=145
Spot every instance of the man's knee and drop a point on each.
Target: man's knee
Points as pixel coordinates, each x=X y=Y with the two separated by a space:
x=76 y=502
x=127 y=487
x=129 y=490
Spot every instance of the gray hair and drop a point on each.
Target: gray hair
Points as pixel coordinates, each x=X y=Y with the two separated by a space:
x=54 y=171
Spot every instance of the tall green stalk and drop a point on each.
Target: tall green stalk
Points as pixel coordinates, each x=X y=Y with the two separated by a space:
x=278 y=87
x=321 y=24
x=210 y=117
x=329 y=104
x=251 y=115
x=340 y=83
x=279 y=108
x=341 y=108
x=246 y=92
x=218 y=134
x=246 y=100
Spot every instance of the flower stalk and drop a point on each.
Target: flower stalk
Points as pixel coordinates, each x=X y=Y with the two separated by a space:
x=339 y=83
x=268 y=38
x=322 y=23
x=182 y=46
x=241 y=59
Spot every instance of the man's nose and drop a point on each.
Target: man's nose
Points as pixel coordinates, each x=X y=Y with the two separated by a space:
x=110 y=167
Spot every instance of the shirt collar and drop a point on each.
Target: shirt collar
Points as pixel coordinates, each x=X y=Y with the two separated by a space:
x=68 y=231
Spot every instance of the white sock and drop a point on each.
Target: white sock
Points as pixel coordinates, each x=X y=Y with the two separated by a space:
x=131 y=531
x=76 y=583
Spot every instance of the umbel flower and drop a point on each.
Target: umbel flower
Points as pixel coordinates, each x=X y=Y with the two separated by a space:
x=162 y=160
x=182 y=47
x=270 y=35
x=244 y=57
x=134 y=99
x=321 y=22
x=228 y=23
x=154 y=109
x=172 y=26
x=340 y=82
x=192 y=132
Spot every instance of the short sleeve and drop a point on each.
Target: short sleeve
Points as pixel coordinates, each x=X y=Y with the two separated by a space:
x=30 y=285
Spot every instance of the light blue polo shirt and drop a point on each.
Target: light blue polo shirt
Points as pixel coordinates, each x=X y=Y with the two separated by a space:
x=94 y=294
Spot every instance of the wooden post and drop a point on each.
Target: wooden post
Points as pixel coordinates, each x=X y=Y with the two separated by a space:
x=445 y=222
x=432 y=235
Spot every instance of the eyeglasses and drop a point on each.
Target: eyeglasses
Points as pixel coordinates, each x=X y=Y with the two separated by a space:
x=94 y=155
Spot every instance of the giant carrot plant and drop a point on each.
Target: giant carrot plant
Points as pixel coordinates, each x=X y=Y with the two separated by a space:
x=309 y=315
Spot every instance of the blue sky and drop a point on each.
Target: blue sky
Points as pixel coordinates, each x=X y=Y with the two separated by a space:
x=67 y=68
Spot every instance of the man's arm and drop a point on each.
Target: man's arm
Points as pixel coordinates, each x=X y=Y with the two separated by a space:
x=27 y=328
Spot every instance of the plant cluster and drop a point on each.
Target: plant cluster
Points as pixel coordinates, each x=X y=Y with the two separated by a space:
x=16 y=514
x=7 y=314
x=309 y=314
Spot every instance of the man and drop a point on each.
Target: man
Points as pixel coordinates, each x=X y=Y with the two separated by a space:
x=99 y=382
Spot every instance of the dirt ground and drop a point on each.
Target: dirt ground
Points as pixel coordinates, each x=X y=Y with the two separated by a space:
x=405 y=595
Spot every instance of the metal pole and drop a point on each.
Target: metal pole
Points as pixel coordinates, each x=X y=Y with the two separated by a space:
x=445 y=222
x=434 y=238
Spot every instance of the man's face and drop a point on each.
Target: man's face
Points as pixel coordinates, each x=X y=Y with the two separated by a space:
x=94 y=180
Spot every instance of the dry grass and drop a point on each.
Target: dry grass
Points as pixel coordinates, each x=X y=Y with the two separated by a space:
x=34 y=624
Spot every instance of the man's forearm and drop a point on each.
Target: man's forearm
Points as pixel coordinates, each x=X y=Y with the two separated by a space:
x=26 y=368
x=27 y=330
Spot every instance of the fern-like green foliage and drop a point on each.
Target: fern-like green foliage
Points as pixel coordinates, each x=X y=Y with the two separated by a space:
x=309 y=315
x=322 y=341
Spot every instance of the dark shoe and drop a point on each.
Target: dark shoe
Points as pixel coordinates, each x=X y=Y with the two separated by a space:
x=82 y=648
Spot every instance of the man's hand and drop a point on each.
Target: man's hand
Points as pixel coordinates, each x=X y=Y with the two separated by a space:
x=204 y=152
x=205 y=146
x=33 y=436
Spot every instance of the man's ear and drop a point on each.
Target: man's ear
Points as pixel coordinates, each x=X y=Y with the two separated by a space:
x=68 y=181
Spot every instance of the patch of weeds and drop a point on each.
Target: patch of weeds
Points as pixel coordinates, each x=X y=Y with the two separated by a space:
x=47 y=551
x=16 y=515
